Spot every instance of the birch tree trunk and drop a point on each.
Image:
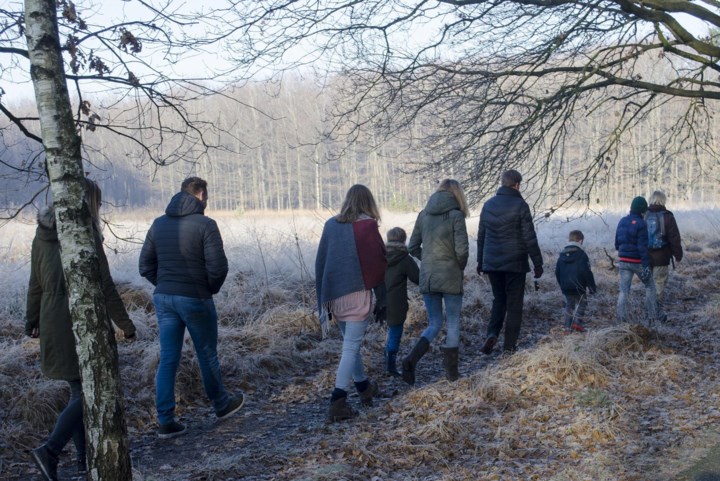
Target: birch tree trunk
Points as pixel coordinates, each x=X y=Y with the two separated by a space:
x=106 y=432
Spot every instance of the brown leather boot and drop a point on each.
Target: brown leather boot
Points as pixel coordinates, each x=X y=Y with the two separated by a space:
x=340 y=410
x=366 y=396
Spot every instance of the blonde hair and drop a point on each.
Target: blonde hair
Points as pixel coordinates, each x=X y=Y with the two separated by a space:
x=358 y=200
x=658 y=198
x=453 y=186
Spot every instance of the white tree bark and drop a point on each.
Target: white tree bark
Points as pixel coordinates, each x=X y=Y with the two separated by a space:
x=106 y=432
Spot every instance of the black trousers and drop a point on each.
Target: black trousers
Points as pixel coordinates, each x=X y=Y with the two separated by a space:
x=508 y=292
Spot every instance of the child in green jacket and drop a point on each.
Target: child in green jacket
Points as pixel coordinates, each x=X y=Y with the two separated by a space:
x=401 y=267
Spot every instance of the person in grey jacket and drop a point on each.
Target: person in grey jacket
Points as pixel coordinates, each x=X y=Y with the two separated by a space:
x=506 y=237
x=183 y=257
x=439 y=239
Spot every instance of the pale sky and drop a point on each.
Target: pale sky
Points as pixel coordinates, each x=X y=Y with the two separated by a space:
x=16 y=82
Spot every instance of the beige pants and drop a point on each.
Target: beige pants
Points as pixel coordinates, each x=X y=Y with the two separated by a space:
x=660 y=274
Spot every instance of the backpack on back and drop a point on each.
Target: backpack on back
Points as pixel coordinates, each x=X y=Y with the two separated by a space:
x=656 y=229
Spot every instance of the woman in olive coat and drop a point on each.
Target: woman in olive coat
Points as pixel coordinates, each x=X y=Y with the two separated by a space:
x=440 y=241
x=48 y=317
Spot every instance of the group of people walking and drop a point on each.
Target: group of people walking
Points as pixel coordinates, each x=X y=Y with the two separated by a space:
x=184 y=258
x=351 y=259
x=352 y=262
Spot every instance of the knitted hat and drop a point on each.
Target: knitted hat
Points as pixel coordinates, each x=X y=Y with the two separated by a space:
x=639 y=205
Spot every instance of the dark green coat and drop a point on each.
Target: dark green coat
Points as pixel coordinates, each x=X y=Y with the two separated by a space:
x=48 y=305
x=401 y=267
x=440 y=241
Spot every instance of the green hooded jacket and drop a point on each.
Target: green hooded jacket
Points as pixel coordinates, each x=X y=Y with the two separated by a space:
x=439 y=239
x=401 y=267
x=48 y=305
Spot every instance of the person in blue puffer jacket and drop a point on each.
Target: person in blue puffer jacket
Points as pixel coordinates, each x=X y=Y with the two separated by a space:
x=631 y=242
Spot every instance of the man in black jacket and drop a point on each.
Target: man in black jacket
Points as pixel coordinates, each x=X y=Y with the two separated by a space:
x=183 y=257
x=506 y=236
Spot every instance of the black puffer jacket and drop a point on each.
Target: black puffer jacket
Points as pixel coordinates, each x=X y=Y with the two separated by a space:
x=183 y=253
x=573 y=272
x=506 y=234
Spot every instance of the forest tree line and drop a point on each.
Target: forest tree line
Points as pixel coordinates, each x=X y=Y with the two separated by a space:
x=275 y=154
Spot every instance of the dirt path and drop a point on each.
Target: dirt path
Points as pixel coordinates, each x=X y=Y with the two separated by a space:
x=278 y=431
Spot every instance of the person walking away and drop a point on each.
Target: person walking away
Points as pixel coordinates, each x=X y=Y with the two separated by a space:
x=576 y=281
x=439 y=239
x=48 y=317
x=184 y=258
x=506 y=238
x=664 y=243
x=631 y=242
x=350 y=264
x=401 y=268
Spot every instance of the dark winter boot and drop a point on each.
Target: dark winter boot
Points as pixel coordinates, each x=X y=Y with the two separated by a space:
x=390 y=363
x=367 y=391
x=450 y=361
x=339 y=407
x=46 y=462
x=409 y=363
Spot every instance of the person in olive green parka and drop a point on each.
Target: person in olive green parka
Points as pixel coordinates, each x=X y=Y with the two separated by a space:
x=440 y=241
x=401 y=267
x=48 y=317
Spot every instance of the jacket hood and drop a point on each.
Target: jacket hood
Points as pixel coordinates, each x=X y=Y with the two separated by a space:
x=46 y=224
x=441 y=202
x=396 y=252
x=571 y=252
x=46 y=217
x=183 y=204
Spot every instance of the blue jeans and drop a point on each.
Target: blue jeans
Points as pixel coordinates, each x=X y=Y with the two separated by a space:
x=394 y=334
x=575 y=305
x=351 y=365
x=627 y=271
x=70 y=424
x=434 y=307
x=175 y=313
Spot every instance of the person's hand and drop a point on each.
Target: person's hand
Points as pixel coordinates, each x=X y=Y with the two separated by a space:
x=538 y=272
x=645 y=274
x=479 y=270
x=380 y=313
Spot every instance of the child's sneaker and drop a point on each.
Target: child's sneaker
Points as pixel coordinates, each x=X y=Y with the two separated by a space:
x=577 y=327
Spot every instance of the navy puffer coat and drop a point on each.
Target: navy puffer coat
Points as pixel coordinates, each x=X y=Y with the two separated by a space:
x=183 y=252
x=506 y=234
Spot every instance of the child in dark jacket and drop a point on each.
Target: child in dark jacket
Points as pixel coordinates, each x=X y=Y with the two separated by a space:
x=575 y=277
x=401 y=267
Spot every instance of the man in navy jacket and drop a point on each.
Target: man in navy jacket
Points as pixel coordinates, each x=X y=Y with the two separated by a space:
x=506 y=237
x=183 y=257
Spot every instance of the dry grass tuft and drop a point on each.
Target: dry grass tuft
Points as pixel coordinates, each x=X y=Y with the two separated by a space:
x=135 y=298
